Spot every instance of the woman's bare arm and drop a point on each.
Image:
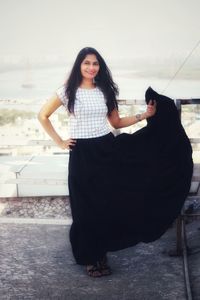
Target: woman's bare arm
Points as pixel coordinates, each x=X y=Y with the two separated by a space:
x=118 y=122
x=43 y=116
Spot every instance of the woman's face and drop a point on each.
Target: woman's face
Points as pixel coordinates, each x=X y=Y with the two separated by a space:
x=89 y=67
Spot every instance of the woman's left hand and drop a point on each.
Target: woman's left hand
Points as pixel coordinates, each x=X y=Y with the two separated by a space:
x=151 y=109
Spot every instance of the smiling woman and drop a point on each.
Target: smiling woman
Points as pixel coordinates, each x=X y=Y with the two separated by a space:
x=89 y=95
x=89 y=69
x=113 y=180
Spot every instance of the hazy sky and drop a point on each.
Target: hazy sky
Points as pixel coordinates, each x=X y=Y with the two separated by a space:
x=139 y=39
x=118 y=29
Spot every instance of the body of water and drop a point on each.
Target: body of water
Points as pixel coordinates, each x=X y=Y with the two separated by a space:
x=45 y=81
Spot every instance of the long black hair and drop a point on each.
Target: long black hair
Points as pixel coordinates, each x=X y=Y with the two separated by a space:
x=103 y=80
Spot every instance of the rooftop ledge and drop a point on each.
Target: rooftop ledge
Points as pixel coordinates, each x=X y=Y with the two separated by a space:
x=25 y=176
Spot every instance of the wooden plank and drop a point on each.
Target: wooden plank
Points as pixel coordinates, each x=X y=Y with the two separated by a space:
x=188 y=101
x=131 y=102
x=37 y=181
x=195 y=140
x=196 y=173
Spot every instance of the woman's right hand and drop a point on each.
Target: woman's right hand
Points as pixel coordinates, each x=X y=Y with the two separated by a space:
x=151 y=109
x=67 y=144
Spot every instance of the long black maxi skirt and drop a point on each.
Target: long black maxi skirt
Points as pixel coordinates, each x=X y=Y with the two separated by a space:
x=130 y=188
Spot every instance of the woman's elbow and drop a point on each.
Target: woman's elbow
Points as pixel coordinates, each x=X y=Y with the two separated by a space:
x=41 y=117
x=116 y=126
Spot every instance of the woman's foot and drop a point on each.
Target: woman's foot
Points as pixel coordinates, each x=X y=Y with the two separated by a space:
x=104 y=267
x=100 y=268
x=94 y=270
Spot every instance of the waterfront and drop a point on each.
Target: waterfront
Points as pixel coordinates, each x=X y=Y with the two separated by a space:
x=132 y=84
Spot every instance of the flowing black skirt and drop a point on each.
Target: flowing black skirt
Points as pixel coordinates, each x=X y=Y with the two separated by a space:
x=130 y=188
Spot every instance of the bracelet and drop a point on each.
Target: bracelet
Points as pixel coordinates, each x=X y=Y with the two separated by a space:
x=138 y=117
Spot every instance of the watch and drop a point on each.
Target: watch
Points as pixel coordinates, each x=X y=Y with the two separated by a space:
x=138 y=117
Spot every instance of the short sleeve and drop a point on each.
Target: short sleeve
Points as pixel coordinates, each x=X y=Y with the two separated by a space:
x=61 y=95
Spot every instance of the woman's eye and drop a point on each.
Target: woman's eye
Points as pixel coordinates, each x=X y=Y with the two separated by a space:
x=94 y=64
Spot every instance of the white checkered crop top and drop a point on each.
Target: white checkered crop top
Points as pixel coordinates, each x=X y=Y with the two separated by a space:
x=90 y=113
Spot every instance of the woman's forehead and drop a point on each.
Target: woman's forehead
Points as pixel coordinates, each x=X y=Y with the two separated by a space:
x=91 y=57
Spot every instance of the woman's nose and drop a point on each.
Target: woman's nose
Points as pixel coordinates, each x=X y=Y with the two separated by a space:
x=91 y=67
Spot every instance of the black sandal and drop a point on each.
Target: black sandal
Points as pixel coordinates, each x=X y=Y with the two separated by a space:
x=94 y=270
x=105 y=269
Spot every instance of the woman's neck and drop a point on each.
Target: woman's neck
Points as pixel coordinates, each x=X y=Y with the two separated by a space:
x=87 y=84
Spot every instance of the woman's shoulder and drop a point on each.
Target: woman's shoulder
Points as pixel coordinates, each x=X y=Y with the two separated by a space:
x=60 y=92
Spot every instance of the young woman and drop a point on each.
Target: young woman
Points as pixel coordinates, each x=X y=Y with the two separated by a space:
x=89 y=96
